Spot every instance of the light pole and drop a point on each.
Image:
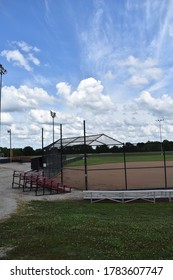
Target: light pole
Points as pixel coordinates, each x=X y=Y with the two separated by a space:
x=53 y=115
x=160 y=131
x=2 y=72
x=9 y=131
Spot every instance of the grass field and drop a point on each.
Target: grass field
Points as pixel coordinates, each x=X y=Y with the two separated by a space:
x=96 y=159
x=80 y=230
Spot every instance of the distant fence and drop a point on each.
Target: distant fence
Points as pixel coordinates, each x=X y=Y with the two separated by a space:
x=15 y=159
x=4 y=159
x=21 y=159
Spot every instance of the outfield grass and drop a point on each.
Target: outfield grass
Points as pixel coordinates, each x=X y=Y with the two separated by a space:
x=97 y=159
x=80 y=230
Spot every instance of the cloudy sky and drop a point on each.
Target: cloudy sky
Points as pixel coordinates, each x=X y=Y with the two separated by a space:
x=109 y=62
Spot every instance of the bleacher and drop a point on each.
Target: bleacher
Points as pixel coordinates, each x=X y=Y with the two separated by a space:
x=35 y=181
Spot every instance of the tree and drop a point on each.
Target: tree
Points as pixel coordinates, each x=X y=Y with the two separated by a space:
x=167 y=145
x=28 y=151
x=129 y=147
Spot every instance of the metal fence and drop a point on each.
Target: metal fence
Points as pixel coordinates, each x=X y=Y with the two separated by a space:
x=133 y=170
x=125 y=171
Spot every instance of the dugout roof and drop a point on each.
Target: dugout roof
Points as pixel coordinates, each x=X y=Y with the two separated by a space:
x=91 y=140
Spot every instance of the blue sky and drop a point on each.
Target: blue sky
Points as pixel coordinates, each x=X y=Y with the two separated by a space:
x=108 y=62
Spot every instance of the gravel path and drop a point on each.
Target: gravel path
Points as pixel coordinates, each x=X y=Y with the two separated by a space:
x=9 y=197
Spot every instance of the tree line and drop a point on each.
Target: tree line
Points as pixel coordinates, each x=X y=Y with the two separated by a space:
x=16 y=152
x=150 y=146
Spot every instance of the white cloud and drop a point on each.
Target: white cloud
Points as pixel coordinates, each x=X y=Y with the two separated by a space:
x=137 y=81
x=24 y=135
x=63 y=89
x=25 y=47
x=40 y=79
x=141 y=72
x=23 y=56
x=149 y=130
x=164 y=29
x=88 y=95
x=6 y=118
x=170 y=30
x=24 y=98
x=158 y=85
x=17 y=58
x=153 y=73
x=135 y=62
x=29 y=115
x=109 y=75
x=144 y=76
x=33 y=59
x=97 y=39
x=40 y=116
x=162 y=106
x=43 y=117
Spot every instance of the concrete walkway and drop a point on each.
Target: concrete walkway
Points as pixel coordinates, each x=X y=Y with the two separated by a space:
x=9 y=197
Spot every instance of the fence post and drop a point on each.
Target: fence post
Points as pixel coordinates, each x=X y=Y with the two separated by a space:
x=85 y=158
x=61 y=151
x=125 y=167
x=165 y=173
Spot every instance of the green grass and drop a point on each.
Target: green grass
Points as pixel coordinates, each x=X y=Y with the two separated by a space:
x=80 y=230
x=119 y=157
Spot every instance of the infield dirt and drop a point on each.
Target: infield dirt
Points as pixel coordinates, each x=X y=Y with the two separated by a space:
x=140 y=175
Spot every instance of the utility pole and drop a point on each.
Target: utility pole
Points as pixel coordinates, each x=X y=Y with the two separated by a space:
x=9 y=131
x=2 y=72
x=53 y=115
x=160 y=132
